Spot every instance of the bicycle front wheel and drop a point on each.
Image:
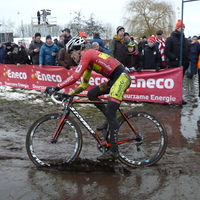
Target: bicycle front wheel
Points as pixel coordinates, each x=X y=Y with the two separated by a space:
x=145 y=144
x=40 y=148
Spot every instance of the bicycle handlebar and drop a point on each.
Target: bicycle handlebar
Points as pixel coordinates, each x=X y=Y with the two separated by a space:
x=63 y=97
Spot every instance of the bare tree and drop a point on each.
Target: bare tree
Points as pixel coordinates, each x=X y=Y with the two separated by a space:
x=77 y=23
x=108 y=33
x=145 y=17
x=91 y=26
x=7 y=25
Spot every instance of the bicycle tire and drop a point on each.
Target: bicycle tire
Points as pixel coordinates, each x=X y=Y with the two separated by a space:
x=154 y=142
x=40 y=149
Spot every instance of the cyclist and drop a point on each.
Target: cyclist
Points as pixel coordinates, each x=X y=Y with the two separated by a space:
x=107 y=66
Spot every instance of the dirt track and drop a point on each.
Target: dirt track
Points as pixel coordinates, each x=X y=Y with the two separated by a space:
x=176 y=176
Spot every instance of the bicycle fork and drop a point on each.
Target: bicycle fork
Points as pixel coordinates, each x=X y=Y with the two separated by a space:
x=59 y=128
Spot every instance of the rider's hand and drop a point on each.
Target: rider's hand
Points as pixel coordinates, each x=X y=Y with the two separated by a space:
x=131 y=69
x=51 y=90
x=157 y=69
x=139 y=69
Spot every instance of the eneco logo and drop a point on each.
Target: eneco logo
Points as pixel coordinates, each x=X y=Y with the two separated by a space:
x=160 y=83
x=37 y=75
x=48 y=77
x=16 y=75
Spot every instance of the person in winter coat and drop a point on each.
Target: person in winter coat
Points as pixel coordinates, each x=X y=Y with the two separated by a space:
x=160 y=44
x=132 y=58
x=66 y=37
x=95 y=46
x=172 y=48
x=34 y=49
x=142 y=44
x=150 y=57
x=2 y=50
x=64 y=58
x=117 y=47
x=48 y=52
x=18 y=56
x=97 y=39
x=7 y=53
x=192 y=70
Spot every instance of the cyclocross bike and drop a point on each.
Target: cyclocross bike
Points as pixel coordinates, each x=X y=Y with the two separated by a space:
x=56 y=139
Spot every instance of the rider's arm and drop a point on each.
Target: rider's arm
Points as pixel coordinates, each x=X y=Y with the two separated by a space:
x=77 y=74
x=84 y=84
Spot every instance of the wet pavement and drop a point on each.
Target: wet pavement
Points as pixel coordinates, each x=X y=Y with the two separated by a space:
x=176 y=176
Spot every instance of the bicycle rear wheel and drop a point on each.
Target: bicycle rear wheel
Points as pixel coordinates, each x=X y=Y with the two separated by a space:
x=40 y=148
x=149 y=147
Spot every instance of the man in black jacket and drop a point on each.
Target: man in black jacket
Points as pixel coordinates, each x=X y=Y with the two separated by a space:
x=19 y=56
x=172 y=48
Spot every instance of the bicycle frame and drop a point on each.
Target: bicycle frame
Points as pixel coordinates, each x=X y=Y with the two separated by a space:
x=71 y=108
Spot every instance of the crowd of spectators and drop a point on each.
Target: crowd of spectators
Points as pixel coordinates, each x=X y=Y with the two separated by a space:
x=149 y=53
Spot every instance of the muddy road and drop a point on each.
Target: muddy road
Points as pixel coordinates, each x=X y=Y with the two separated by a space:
x=176 y=176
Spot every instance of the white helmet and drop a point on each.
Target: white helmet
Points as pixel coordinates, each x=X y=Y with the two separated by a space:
x=76 y=43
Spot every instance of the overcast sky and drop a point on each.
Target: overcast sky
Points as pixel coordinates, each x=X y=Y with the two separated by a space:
x=110 y=11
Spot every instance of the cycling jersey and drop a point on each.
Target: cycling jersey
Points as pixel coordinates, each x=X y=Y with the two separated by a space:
x=92 y=60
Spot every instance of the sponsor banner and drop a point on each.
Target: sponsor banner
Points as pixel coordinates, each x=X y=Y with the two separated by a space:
x=164 y=86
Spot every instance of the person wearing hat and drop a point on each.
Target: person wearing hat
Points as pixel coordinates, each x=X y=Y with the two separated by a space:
x=132 y=58
x=160 y=44
x=172 y=49
x=84 y=36
x=127 y=38
x=34 y=49
x=67 y=37
x=19 y=56
x=150 y=57
x=48 y=52
x=97 y=39
x=7 y=53
x=143 y=43
x=117 y=47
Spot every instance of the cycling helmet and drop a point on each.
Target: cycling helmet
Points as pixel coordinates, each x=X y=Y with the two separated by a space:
x=76 y=43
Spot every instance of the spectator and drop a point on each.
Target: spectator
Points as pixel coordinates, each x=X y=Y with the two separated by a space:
x=64 y=58
x=2 y=51
x=117 y=47
x=61 y=38
x=150 y=57
x=84 y=36
x=95 y=46
x=191 y=69
x=19 y=56
x=97 y=39
x=34 y=49
x=48 y=52
x=20 y=46
x=38 y=16
x=135 y=42
x=172 y=48
x=127 y=38
x=160 y=44
x=143 y=43
x=67 y=37
x=7 y=53
x=106 y=47
x=132 y=58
